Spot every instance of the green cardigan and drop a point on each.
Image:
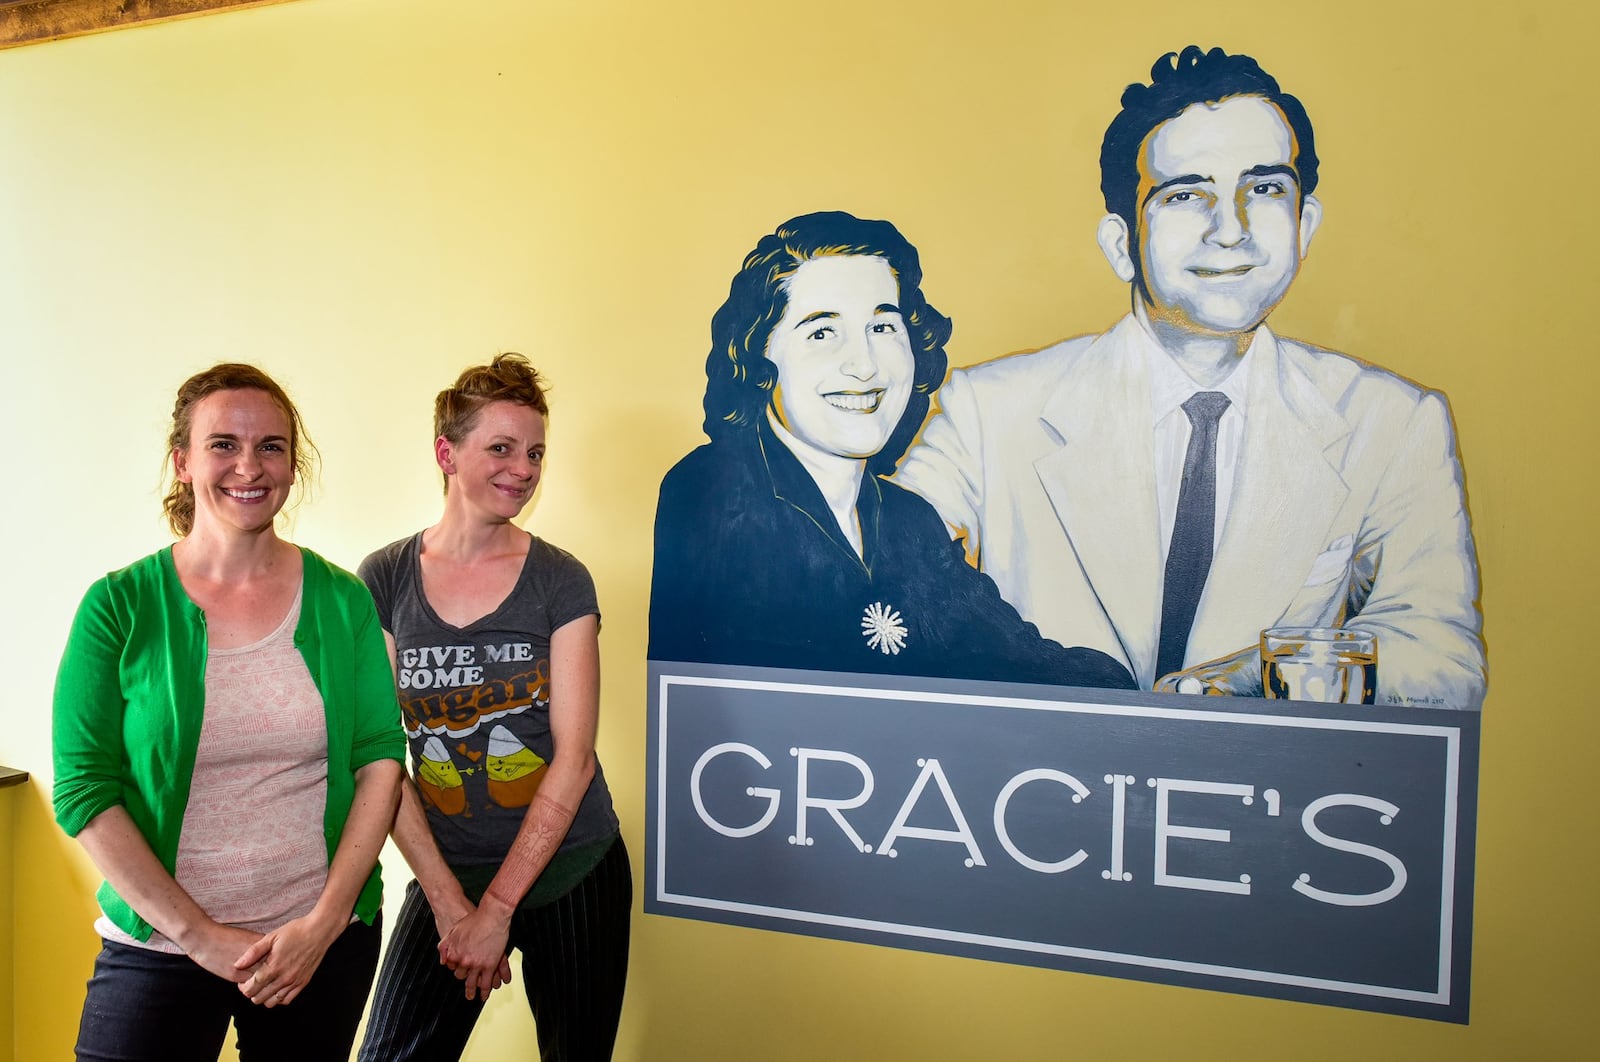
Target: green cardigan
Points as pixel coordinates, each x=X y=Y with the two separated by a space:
x=131 y=692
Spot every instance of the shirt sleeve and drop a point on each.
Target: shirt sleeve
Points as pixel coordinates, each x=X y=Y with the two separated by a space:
x=1414 y=574
x=87 y=713
x=377 y=571
x=377 y=734
x=946 y=465
x=571 y=590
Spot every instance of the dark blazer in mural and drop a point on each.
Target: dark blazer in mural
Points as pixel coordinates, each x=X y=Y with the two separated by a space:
x=751 y=568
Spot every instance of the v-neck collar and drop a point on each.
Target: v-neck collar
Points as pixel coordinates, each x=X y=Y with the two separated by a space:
x=793 y=484
x=427 y=606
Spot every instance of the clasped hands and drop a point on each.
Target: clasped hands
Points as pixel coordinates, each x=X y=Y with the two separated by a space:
x=272 y=968
x=472 y=943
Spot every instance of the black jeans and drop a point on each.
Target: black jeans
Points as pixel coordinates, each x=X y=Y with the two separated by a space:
x=148 y=1006
x=574 y=967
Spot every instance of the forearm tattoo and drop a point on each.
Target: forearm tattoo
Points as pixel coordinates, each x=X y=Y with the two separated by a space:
x=541 y=834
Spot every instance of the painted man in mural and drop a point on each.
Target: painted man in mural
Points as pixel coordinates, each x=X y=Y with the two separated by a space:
x=1167 y=490
x=777 y=544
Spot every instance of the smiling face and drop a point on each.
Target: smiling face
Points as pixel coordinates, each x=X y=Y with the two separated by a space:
x=1221 y=226
x=844 y=361
x=238 y=459
x=496 y=465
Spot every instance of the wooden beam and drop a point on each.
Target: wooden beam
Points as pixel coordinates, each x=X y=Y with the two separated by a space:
x=35 y=21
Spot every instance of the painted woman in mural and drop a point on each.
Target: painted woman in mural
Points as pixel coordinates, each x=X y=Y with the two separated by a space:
x=509 y=826
x=225 y=751
x=1169 y=490
x=777 y=544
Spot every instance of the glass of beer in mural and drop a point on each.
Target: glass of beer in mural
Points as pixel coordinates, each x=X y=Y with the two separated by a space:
x=1331 y=664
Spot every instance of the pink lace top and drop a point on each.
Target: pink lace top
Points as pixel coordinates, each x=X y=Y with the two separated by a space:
x=252 y=852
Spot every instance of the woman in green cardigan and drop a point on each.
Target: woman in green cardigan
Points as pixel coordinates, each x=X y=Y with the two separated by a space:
x=227 y=751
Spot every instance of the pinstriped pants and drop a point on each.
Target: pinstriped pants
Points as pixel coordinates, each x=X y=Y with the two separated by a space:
x=574 y=967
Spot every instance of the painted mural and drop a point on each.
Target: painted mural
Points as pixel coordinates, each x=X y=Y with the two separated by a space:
x=778 y=544
x=1144 y=503
x=1006 y=578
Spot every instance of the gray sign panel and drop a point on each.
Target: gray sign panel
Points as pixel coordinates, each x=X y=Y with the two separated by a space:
x=1307 y=852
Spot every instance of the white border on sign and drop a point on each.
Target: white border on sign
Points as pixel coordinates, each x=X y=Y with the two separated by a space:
x=1450 y=735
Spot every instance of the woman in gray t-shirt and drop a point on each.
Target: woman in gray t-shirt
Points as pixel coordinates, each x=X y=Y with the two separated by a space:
x=508 y=826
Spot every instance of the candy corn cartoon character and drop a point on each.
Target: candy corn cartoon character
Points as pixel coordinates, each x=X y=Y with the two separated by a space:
x=515 y=770
x=439 y=780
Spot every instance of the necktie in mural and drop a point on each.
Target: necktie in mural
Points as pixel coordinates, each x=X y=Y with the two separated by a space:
x=1193 y=531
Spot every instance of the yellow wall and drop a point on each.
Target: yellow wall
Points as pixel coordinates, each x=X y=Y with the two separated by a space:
x=7 y=931
x=365 y=195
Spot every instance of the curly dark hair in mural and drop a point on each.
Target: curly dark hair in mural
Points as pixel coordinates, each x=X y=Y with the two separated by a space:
x=740 y=377
x=1178 y=81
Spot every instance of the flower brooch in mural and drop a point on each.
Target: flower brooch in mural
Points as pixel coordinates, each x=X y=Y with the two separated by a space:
x=883 y=629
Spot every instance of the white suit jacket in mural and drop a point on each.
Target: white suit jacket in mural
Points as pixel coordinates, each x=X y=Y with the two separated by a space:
x=1348 y=508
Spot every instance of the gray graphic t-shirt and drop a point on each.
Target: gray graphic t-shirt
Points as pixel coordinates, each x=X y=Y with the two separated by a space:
x=475 y=700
